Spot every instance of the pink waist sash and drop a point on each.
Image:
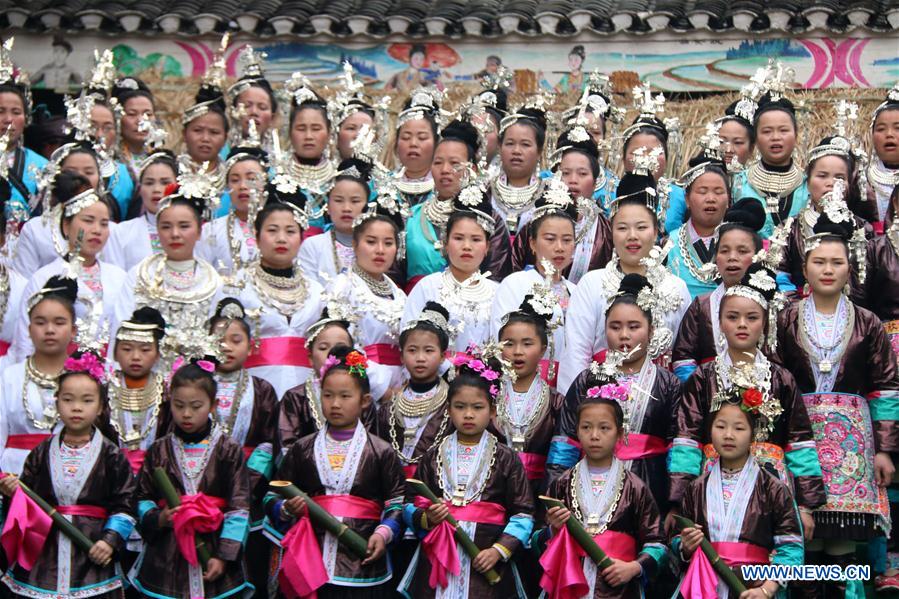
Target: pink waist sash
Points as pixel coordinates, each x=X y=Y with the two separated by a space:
x=26 y=442
x=280 y=351
x=742 y=553
x=534 y=464
x=384 y=354
x=409 y=470
x=617 y=545
x=4 y=348
x=349 y=506
x=479 y=512
x=135 y=458
x=88 y=511
x=641 y=446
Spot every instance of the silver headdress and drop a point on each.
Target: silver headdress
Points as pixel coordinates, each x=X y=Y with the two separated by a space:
x=434 y=318
x=213 y=78
x=423 y=101
x=9 y=76
x=541 y=101
x=79 y=202
x=710 y=143
x=300 y=89
x=251 y=63
x=556 y=198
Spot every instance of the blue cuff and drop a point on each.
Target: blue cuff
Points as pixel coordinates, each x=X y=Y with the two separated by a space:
x=121 y=524
x=785 y=283
x=236 y=526
x=143 y=507
x=520 y=527
x=563 y=453
x=685 y=371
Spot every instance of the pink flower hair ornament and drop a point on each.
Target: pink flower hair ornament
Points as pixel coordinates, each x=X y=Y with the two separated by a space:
x=206 y=365
x=478 y=366
x=88 y=364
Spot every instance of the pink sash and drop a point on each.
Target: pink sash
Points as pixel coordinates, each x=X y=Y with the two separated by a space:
x=439 y=546
x=302 y=568
x=198 y=514
x=4 y=348
x=135 y=458
x=409 y=470
x=738 y=554
x=384 y=354
x=641 y=446
x=280 y=351
x=563 y=575
x=25 y=530
x=26 y=442
x=350 y=506
x=87 y=511
x=534 y=464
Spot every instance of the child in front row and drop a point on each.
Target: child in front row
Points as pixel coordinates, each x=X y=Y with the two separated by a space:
x=614 y=506
x=482 y=483
x=207 y=469
x=354 y=476
x=744 y=510
x=82 y=475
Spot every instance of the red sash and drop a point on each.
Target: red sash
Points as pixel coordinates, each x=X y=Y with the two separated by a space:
x=737 y=554
x=280 y=351
x=350 y=506
x=534 y=464
x=563 y=576
x=247 y=451
x=878 y=227
x=384 y=354
x=641 y=446
x=199 y=513
x=26 y=441
x=4 y=348
x=409 y=470
x=88 y=511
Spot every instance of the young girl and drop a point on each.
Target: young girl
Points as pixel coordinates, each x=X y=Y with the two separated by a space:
x=552 y=233
x=883 y=166
x=325 y=256
x=207 y=470
x=830 y=167
x=647 y=393
x=576 y=159
x=843 y=363
x=775 y=181
x=284 y=300
x=86 y=477
x=635 y=230
x=228 y=242
x=301 y=408
x=352 y=474
x=482 y=483
x=27 y=388
x=136 y=389
x=246 y=408
x=135 y=239
x=84 y=224
x=744 y=510
x=526 y=408
x=614 y=506
x=368 y=296
x=707 y=197
x=699 y=337
x=782 y=442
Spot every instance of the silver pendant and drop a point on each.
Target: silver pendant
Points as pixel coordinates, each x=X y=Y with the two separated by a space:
x=593 y=524
x=50 y=413
x=825 y=366
x=459 y=495
x=518 y=441
x=772 y=203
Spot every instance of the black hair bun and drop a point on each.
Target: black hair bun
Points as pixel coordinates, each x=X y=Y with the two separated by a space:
x=127 y=87
x=230 y=308
x=362 y=166
x=766 y=104
x=701 y=158
x=213 y=95
x=588 y=146
x=148 y=315
x=436 y=307
x=462 y=131
x=527 y=307
x=633 y=284
x=747 y=212
x=67 y=184
x=633 y=183
x=757 y=272
x=825 y=226
x=297 y=198
x=257 y=153
x=534 y=114
x=653 y=122
x=66 y=288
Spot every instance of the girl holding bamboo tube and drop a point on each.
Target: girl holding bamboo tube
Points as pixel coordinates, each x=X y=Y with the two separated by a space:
x=87 y=479
x=199 y=462
x=611 y=503
x=482 y=487
x=349 y=474
x=745 y=511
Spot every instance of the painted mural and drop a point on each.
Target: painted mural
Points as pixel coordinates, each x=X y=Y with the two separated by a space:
x=688 y=64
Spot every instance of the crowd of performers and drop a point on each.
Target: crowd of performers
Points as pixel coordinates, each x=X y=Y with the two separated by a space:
x=276 y=366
